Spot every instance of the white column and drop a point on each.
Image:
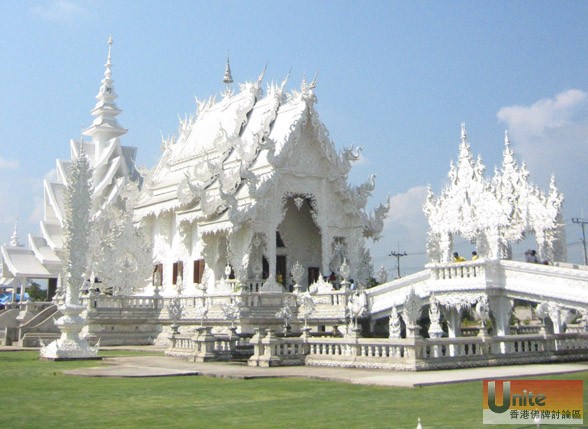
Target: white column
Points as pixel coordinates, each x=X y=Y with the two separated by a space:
x=271 y=250
x=453 y=316
x=23 y=283
x=501 y=308
x=15 y=286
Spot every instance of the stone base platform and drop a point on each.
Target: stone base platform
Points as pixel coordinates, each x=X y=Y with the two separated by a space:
x=159 y=366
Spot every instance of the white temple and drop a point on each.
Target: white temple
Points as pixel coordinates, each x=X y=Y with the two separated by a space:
x=253 y=183
x=247 y=226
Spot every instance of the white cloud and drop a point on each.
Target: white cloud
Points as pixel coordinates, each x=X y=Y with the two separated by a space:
x=551 y=134
x=406 y=209
x=545 y=114
x=38 y=210
x=8 y=164
x=405 y=230
x=60 y=10
x=19 y=192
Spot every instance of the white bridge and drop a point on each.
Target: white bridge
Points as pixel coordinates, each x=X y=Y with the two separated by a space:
x=559 y=289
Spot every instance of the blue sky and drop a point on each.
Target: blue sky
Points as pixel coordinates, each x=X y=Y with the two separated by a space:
x=397 y=78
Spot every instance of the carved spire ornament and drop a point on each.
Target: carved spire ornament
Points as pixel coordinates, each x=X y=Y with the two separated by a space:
x=78 y=202
x=228 y=77
x=14 y=239
x=493 y=213
x=105 y=111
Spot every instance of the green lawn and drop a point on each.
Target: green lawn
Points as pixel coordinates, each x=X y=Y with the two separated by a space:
x=36 y=394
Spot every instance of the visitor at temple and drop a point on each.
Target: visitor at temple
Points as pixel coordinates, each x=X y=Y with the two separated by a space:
x=531 y=256
x=474 y=255
x=457 y=258
x=280 y=278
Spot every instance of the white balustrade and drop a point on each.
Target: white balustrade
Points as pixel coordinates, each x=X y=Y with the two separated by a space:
x=457 y=270
x=431 y=353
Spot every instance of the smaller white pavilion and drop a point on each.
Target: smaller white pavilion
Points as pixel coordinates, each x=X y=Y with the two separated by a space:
x=494 y=213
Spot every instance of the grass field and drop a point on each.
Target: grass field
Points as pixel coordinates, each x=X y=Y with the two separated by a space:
x=36 y=394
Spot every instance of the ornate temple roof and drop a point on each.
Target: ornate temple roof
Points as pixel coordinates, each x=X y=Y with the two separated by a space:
x=223 y=157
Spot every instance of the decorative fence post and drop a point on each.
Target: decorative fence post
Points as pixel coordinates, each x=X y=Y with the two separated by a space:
x=270 y=356
x=204 y=345
x=258 y=347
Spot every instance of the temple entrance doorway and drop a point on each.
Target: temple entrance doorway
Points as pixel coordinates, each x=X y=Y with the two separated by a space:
x=300 y=237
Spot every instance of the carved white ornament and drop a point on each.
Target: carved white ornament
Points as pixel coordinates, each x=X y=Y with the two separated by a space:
x=435 y=329
x=298 y=201
x=77 y=224
x=356 y=306
x=285 y=313
x=494 y=213
x=297 y=272
x=394 y=324
x=306 y=306
x=412 y=308
x=231 y=311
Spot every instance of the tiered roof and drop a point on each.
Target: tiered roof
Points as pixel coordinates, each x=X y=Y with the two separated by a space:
x=224 y=157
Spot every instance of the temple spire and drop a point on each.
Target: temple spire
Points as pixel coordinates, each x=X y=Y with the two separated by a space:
x=14 y=240
x=108 y=62
x=228 y=78
x=105 y=125
x=464 y=134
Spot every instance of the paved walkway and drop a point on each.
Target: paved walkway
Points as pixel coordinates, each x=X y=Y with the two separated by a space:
x=159 y=366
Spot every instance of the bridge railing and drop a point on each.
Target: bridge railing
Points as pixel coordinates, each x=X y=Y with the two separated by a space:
x=458 y=270
x=422 y=354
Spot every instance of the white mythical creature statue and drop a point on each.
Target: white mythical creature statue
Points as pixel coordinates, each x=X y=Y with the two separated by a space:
x=394 y=327
x=361 y=193
x=483 y=310
x=231 y=311
x=202 y=312
x=435 y=329
x=375 y=221
x=356 y=307
x=306 y=306
x=348 y=156
x=285 y=314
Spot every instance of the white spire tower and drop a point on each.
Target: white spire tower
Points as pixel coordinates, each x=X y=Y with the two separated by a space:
x=14 y=240
x=228 y=77
x=105 y=125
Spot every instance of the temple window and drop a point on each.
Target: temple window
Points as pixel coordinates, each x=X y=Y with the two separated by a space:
x=158 y=274
x=178 y=269
x=198 y=270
